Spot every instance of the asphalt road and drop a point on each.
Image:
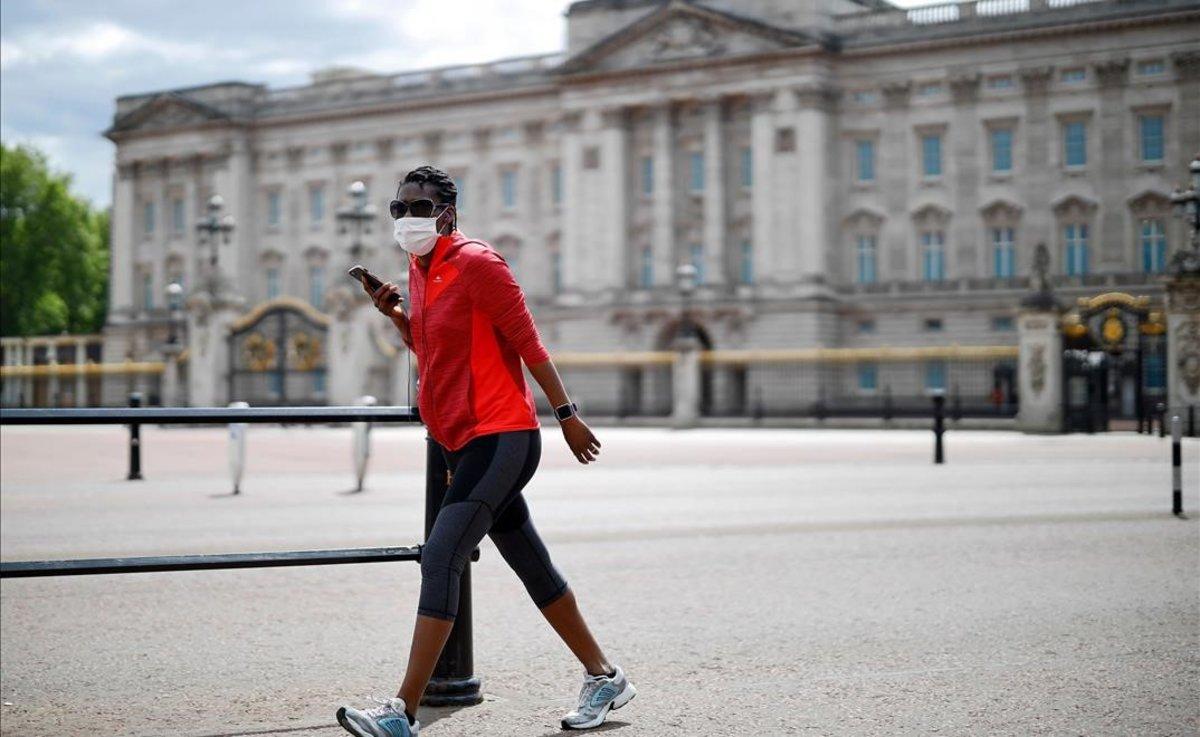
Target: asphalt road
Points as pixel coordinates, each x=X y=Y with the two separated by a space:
x=750 y=582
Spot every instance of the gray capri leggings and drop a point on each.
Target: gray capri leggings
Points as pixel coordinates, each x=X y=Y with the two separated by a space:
x=484 y=497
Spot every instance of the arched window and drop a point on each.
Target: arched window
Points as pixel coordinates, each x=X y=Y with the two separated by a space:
x=931 y=224
x=863 y=228
x=1151 y=212
x=1075 y=216
x=1000 y=221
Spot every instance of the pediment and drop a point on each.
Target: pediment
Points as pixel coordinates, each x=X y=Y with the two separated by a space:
x=678 y=32
x=166 y=111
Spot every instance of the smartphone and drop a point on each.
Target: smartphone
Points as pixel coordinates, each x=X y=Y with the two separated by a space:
x=370 y=282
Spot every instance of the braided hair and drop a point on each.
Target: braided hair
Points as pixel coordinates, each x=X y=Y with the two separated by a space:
x=441 y=181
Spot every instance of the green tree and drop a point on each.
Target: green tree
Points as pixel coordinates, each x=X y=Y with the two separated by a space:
x=53 y=250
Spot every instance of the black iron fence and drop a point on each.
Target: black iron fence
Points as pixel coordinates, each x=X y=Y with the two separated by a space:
x=453 y=681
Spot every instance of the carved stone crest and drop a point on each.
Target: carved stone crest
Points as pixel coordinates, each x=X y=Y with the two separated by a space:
x=685 y=37
x=1188 y=356
x=1037 y=369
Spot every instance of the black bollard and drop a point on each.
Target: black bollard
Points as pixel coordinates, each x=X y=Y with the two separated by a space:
x=135 y=442
x=452 y=683
x=1176 y=467
x=939 y=427
x=1161 y=409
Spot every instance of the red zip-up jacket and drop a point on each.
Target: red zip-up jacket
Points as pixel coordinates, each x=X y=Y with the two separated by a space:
x=470 y=329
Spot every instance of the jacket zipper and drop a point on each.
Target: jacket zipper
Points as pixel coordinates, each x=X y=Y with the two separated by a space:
x=425 y=346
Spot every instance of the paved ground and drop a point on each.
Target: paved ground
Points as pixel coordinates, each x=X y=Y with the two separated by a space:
x=753 y=582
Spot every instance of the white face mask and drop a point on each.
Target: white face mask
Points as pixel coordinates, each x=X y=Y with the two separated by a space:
x=416 y=235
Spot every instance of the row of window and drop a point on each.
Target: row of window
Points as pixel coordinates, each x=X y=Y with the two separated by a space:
x=1000 y=145
x=1000 y=324
x=1070 y=75
x=1076 y=250
x=745 y=264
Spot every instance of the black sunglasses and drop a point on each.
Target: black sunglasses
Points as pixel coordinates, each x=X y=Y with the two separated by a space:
x=417 y=208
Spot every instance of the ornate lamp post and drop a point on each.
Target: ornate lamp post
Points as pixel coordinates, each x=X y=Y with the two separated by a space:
x=209 y=228
x=175 y=304
x=356 y=217
x=685 y=280
x=1187 y=206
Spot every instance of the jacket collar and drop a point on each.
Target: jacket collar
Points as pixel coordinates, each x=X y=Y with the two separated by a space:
x=445 y=247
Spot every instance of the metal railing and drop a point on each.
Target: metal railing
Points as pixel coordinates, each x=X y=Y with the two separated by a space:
x=453 y=681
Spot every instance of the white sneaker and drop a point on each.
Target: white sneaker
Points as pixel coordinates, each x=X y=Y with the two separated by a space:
x=598 y=695
x=385 y=720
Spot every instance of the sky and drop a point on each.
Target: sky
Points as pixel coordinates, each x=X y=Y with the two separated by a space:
x=63 y=63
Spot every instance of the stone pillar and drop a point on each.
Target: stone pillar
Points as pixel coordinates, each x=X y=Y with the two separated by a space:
x=1036 y=222
x=714 y=195
x=762 y=154
x=611 y=262
x=348 y=352
x=120 y=295
x=209 y=319
x=80 y=375
x=894 y=172
x=1183 y=340
x=1040 y=354
x=1112 y=167
x=814 y=138
x=685 y=383
x=663 y=242
x=964 y=259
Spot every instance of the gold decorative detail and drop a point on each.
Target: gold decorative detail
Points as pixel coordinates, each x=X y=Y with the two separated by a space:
x=1154 y=325
x=1113 y=329
x=292 y=303
x=1072 y=327
x=306 y=351
x=854 y=355
x=259 y=352
x=1114 y=299
x=127 y=368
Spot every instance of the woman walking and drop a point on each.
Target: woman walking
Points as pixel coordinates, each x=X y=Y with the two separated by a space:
x=470 y=329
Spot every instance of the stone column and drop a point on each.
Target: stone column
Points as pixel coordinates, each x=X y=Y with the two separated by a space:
x=663 y=242
x=80 y=376
x=964 y=163
x=120 y=295
x=685 y=383
x=1110 y=172
x=238 y=263
x=1037 y=224
x=611 y=261
x=894 y=172
x=714 y=194
x=811 y=204
x=209 y=318
x=762 y=154
x=1040 y=355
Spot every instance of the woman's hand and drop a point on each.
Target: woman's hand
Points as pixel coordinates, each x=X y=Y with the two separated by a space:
x=579 y=437
x=382 y=298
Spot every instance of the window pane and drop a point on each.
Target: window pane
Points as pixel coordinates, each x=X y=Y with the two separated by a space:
x=1075 y=143
x=935 y=375
x=931 y=155
x=272 y=282
x=647 y=175
x=747 y=167
x=647 y=273
x=316 y=203
x=273 y=208
x=556 y=184
x=697 y=171
x=868 y=377
x=556 y=270
x=316 y=286
x=148 y=217
x=747 y=262
x=508 y=189
x=1002 y=150
x=866 y=160
x=177 y=217
x=1152 y=137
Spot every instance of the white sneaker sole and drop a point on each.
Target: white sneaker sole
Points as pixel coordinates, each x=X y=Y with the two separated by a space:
x=622 y=699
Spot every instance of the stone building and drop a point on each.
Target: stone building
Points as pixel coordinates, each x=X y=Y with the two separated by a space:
x=841 y=173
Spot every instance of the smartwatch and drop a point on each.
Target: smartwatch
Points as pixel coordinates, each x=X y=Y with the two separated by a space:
x=566 y=411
